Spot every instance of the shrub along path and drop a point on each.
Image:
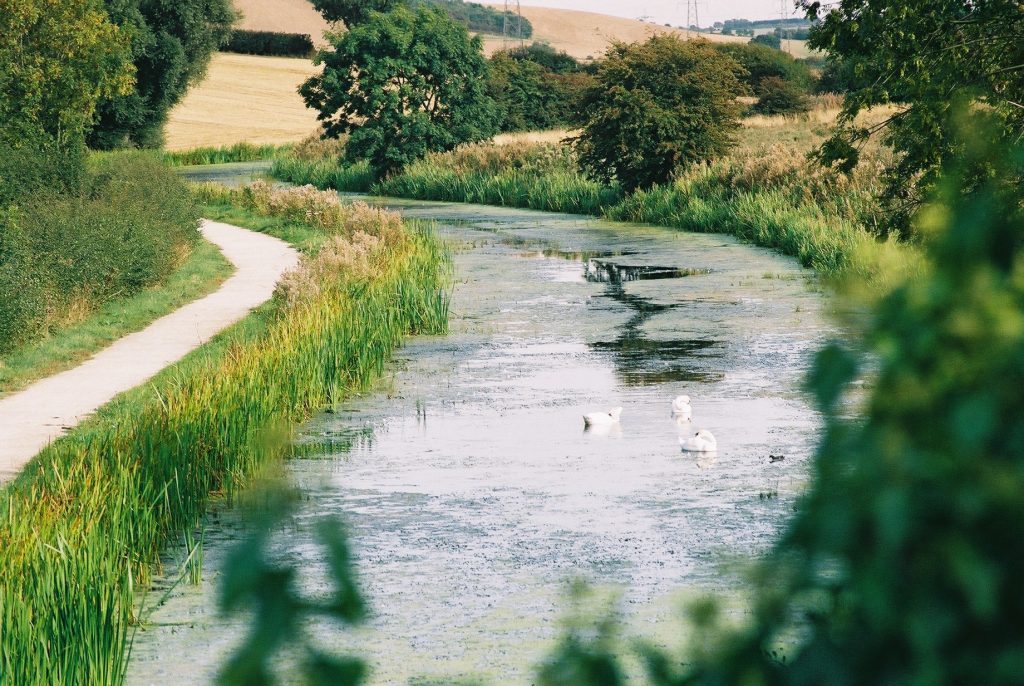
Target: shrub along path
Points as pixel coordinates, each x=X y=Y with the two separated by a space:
x=34 y=417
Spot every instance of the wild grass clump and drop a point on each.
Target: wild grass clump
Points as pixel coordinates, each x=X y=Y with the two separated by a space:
x=239 y=152
x=357 y=178
x=126 y=224
x=85 y=522
x=539 y=177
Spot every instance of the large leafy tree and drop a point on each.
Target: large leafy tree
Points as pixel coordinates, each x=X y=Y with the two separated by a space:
x=402 y=84
x=924 y=55
x=172 y=42
x=657 y=107
x=56 y=60
x=353 y=12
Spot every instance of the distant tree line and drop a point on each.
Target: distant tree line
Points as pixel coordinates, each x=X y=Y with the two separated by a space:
x=474 y=16
x=483 y=18
x=748 y=25
x=272 y=43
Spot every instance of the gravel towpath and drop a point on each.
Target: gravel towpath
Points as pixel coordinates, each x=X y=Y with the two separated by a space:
x=32 y=418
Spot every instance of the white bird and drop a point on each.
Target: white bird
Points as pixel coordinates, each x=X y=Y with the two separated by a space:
x=595 y=419
x=681 y=409
x=701 y=442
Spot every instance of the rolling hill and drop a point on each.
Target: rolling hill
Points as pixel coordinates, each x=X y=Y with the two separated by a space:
x=581 y=34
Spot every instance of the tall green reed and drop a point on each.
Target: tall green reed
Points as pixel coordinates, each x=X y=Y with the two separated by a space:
x=86 y=521
x=239 y=152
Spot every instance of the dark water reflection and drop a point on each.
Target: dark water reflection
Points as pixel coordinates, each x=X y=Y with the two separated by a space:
x=473 y=493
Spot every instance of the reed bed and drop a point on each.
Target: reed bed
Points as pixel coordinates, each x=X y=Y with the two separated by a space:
x=239 y=152
x=765 y=191
x=85 y=523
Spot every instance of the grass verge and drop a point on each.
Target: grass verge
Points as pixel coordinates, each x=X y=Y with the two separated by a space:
x=122 y=223
x=203 y=271
x=84 y=523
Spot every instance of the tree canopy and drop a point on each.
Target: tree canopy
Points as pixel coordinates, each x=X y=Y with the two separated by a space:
x=656 y=107
x=403 y=84
x=56 y=61
x=923 y=55
x=353 y=12
x=172 y=42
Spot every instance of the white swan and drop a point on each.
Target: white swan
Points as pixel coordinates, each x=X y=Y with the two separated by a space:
x=681 y=409
x=595 y=419
x=701 y=442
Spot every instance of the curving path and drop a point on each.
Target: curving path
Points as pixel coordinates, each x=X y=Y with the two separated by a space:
x=32 y=418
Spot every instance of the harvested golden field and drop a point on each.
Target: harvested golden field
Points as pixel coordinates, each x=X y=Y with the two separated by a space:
x=588 y=34
x=244 y=98
x=581 y=34
x=289 y=16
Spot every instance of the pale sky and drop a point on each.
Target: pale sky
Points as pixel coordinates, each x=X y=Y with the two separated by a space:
x=674 y=11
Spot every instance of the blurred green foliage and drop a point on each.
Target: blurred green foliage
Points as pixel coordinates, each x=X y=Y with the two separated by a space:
x=256 y=581
x=770 y=40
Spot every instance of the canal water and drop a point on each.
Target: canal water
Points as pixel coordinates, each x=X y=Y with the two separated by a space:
x=473 y=493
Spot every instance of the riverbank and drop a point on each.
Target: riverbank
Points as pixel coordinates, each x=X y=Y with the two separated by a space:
x=87 y=519
x=765 y=191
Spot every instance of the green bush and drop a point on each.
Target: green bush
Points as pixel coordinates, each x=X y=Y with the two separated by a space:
x=779 y=96
x=129 y=222
x=762 y=62
x=657 y=107
x=532 y=96
x=26 y=171
x=769 y=40
x=557 y=61
x=271 y=43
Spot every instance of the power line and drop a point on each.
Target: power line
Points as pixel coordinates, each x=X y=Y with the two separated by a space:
x=692 y=15
x=506 y=30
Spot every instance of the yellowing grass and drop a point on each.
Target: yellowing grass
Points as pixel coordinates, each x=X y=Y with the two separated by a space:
x=554 y=136
x=244 y=99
